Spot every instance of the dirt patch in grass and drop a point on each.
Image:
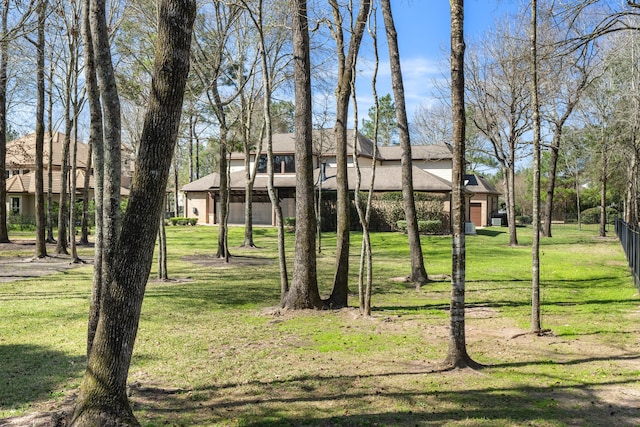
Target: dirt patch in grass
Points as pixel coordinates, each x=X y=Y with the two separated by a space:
x=208 y=260
x=24 y=267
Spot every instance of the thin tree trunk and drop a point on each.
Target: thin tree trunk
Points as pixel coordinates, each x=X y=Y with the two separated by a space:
x=536 y=326
x=102 y=399
x=96 y=140
x=84 y=234
x=511 y=203
x=163 y=273
x=4 y=61
x=457 y=356
x=603 y=189
x=50 y=237
x=551 y=185
x=418 y=272
x=346 y=68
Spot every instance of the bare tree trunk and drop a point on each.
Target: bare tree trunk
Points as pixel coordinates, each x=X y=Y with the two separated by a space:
x=223 y=249
x=41 y=245
x=418 y=272
x=176 y=186
x=73 y=66
x=457 y=356
x=50 y=237
x=163 y=273
x=551 y=185
x=603 y=189
x=346 y=68
x=511 y=203
x=4 y=61
x=102 y=399
x=304 y=285
x=536 y=327
x=84 y=234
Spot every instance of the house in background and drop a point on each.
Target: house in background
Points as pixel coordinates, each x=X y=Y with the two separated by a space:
x=483 y=204
x=20 y=168
x=432 y=168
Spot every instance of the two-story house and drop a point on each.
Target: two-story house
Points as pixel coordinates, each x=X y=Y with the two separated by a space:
x=432 y=165
x=20 y=168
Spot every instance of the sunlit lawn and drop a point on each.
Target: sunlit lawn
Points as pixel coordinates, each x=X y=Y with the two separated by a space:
x=213 y=350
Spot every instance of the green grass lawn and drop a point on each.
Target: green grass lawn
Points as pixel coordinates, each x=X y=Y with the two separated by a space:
x=212 y=349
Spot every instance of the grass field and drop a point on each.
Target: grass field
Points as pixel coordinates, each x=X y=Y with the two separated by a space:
x=213 y=349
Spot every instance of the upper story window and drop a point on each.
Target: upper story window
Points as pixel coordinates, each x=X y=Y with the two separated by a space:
x=281 y=163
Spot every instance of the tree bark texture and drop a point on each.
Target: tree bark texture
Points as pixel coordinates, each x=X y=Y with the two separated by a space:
x=4 y=61
x=457 y=356
x=102 y=399
x=41 y=244
x=346 y=68
x=536 y=327
x=303 y=292
x=418 y=272
x=96 y=143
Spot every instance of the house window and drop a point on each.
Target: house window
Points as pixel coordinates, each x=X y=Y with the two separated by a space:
x=15 y=205
x=6 y=174
x=25 y=171
x=281 y=164
x=15 y=172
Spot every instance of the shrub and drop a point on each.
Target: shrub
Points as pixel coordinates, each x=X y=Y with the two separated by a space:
x=289 y=223
x=592 y=215
x=180 y=220
x=524 y=219
x=427 y=227
x=430 y=226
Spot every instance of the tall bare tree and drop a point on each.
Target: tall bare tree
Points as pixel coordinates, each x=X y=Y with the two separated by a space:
x=303 y=292
x=536 y=327
x=41 y=245
x=102 y=399
x=497 y=79
x=457 y=356
x=418 y=273
x=346 y=68
x=6 y=35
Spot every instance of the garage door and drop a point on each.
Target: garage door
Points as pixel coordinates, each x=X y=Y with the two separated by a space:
x=476 y=213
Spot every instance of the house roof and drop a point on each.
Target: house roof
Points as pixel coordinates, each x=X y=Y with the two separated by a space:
x=479 y=185
x=21 y=184
x=21 y=151
x=418 y=152
x=203 y=184
x=388 y=178
x=324 y=144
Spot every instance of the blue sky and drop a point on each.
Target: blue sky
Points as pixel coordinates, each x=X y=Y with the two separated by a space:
x=423 y=36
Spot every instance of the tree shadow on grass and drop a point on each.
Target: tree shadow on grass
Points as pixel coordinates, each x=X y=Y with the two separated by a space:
x=30 y=373
x=490 y=232
x=375 y=399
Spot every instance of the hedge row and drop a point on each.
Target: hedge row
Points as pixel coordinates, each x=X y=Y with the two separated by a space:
x=180 y=220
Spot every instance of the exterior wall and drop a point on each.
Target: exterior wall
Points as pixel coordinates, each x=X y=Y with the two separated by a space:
x=27 y=204
x=196 y=206
x=440 y=168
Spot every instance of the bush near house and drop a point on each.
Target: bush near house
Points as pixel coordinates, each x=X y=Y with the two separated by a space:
x=424 y=227
x=387 y=210
x=179 y=220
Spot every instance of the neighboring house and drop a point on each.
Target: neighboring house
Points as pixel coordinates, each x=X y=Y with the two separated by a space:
x=20 y=171
x=431 y=174
x=484 y=200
